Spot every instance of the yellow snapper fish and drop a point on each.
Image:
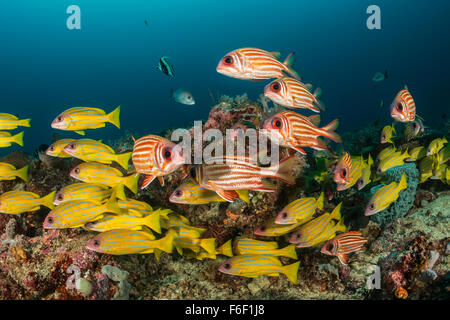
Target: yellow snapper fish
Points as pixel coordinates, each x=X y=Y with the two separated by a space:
x=386 y=152
x=73 y=214
x=188 y=238
x=355 y=174
x=56 y=149
x=384 y=196
x=132 y=221
x=366 y=172
x=129 y=204
x=224 y=250
x=243 y=246
x=396 y=159
x=6 y=139
x=9 y=172
x=436 y=145
x=88 y=191
x=94 y=172
x=272 y=229
x=440 y=172
x=11 y=122
x=81 y=118
x=118 y=242
x=299 y=210
x=387 y=134
x=175 y=221
x=416 y=154
x=92 y=150
x=252 y=266
x=444 y=154
x=319 y=229
x=15 y=202
x=426 y=167
x=191 y=193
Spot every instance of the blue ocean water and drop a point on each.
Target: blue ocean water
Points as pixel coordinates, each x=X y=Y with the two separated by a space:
x=45 y=68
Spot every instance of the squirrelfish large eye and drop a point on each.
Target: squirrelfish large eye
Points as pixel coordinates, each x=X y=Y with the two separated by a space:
x=275 y=86
x=167 y=153
x=399 y=107
x=330 y=247
x=343 y=173
x=228 y=60
x=276 y=123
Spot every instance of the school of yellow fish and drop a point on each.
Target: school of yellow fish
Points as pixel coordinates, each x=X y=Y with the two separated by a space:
x=99 y=202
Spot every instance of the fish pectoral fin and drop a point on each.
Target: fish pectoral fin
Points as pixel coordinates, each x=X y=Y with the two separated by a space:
x=343 y=258
x=80 y=132
x=147 y=180
x=228 y=195
x=298 y=149
x=161 y=181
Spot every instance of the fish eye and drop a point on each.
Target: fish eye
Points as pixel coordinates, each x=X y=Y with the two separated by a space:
x=60 y=197
x=52 y=148
x=263 y=228
x=227 y=266
x=297 y=236
x=343 y=173
x=228 y=60
x=77 y=170
x=330 y=247
x=275 y=86
x=60 y=118
x=371 y=206
x=50 y=220
x=72 y=146
x=193 y=173
x=284 y=215
x=178 y=193
x=399 y=107
x=276 y=123
x=167 y=154
x=96 y=243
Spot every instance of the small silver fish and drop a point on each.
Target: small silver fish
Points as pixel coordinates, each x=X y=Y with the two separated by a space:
x=380 y=76
x=182 y=96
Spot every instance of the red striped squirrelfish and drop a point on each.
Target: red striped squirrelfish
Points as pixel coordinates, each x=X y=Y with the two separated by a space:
x=403 y=108
x=291 y=93
x=256 y=64
x=343 y=169
x=294 y=131
x=343 y=244
x=156 y=157
x=227 y=174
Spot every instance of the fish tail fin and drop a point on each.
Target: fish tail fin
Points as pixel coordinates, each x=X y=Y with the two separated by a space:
x=114 y=117
x=243 y=195
x=369 y=161
x=111 y=205
x=225 y=249
x=123 y=159
x=289 y=63
x=131 y=182
x=153 y=221
x=289 y=252
x=402 y=184
x=319 y=202
x=48 y=200
x=166 y=244
x=18 y=138
x=119 y=190
x=341 y=226
x=329 y=129
x=282 y=171
x=22 y=173
x=317 y=94
x=25 y=123
x=209 y=245
x=291 y=271
x=336 y=213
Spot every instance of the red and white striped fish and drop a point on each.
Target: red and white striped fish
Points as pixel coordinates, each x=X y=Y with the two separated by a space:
x=342 y=171
x=155 y=157
x=295 y=131
x=227 y=174
x=343 y=244
x=403 y=108
x=291 y=93
x=256 y=64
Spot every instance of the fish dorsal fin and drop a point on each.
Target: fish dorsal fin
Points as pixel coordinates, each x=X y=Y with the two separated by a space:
x=276 y=54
